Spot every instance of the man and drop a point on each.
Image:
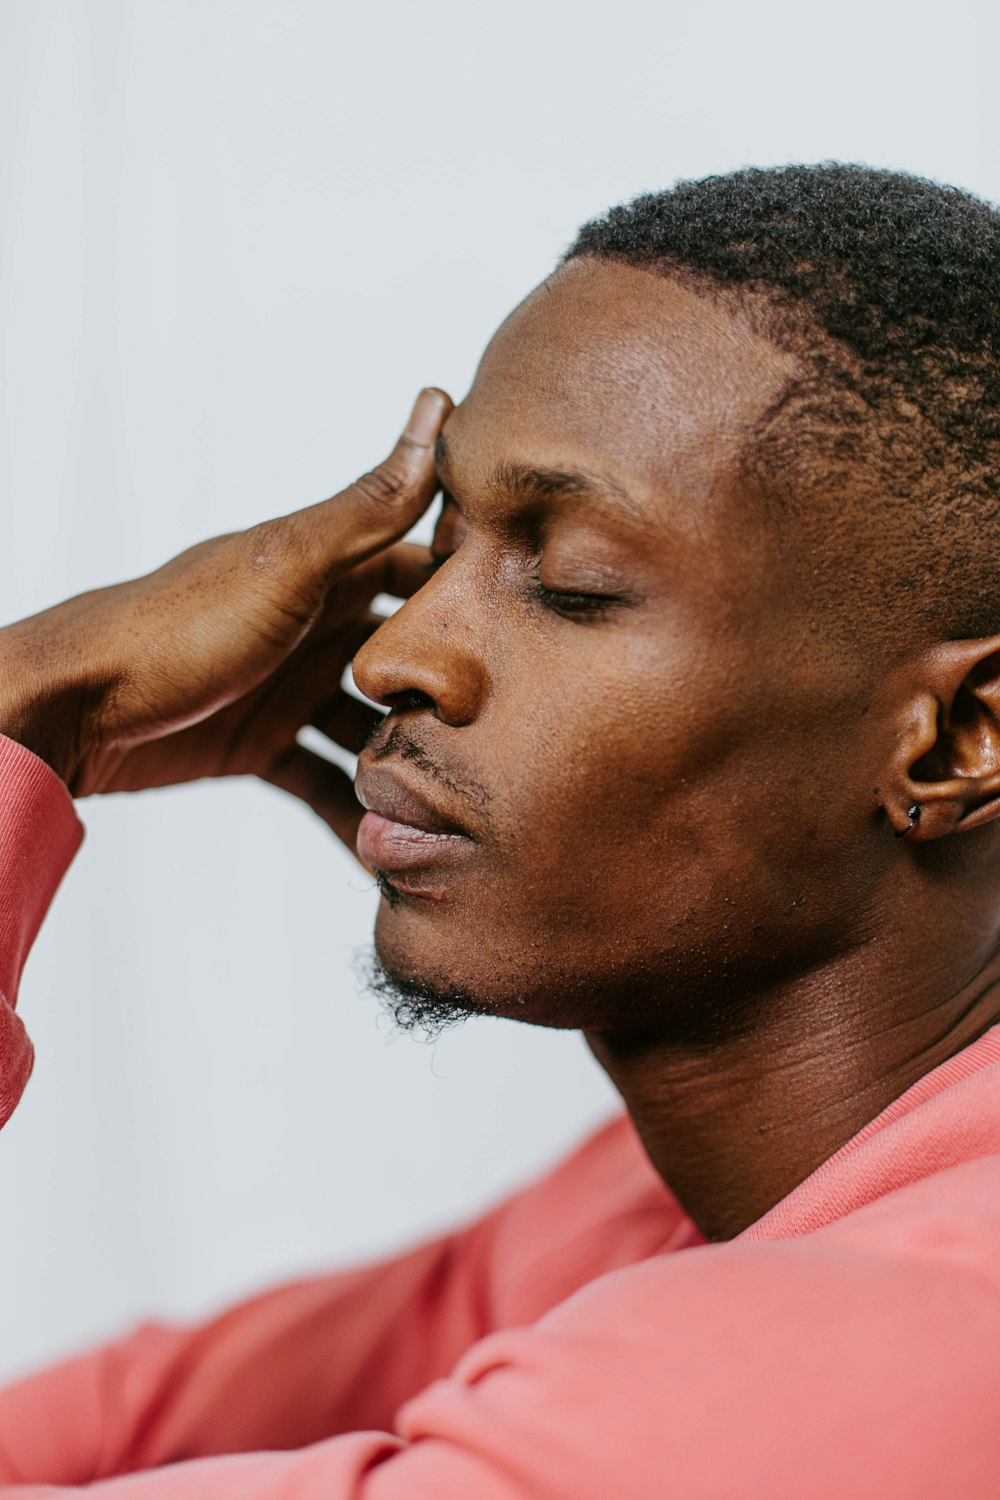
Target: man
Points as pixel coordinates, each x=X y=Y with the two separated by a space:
x=692 y=742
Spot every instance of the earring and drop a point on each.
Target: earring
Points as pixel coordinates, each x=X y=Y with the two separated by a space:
x=913 y=813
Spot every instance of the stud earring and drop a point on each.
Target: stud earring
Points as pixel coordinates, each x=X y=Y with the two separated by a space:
x=913 y=813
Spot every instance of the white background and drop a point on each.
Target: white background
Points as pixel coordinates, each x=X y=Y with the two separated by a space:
x=236 y=237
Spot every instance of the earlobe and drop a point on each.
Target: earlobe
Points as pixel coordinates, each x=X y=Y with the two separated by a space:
x=913 y=815
x=946 y=777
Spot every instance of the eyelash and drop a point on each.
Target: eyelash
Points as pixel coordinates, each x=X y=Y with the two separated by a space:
x=559 y=602
x=571 y=604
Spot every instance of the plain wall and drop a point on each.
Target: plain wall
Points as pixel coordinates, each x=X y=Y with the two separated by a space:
x=237 y=236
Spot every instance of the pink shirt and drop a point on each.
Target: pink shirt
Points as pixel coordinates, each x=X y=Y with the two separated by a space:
x=581 y=1342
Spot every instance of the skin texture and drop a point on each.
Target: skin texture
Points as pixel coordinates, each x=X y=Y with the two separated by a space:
x=667 y=815
x=681 y=807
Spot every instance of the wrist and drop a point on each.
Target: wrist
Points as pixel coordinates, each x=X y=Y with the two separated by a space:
x=42 y=721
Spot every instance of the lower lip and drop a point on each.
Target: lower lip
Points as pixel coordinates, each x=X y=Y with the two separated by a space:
x=389 y=846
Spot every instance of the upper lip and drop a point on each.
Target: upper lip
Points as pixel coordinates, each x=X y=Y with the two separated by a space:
x=381 y=790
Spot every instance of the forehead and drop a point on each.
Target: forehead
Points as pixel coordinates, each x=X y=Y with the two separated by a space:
x=626 y=372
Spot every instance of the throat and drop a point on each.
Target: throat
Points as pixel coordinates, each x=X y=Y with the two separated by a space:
x=733 y=1126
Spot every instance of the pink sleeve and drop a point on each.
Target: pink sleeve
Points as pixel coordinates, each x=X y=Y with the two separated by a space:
x=842 y=1364
x=39 y=834
x=301 y=1362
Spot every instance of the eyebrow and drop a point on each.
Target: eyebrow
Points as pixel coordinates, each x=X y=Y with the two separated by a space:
x=540 y=483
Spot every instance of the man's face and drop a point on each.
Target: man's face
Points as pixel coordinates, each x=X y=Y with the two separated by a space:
x=610 y=687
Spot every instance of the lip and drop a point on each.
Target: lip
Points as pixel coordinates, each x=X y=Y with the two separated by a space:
x=402 y=830
x=382 y=790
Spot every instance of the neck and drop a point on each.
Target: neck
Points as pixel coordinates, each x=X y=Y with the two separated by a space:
x=733 y=1126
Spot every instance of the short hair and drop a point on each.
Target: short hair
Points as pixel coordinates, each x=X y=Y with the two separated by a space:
x=887 y=286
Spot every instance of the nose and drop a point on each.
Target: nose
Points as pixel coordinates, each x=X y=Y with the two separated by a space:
x=426 y=656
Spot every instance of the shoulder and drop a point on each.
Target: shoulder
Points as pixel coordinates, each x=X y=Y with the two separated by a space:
x=601 y=1207
x=858 y=1360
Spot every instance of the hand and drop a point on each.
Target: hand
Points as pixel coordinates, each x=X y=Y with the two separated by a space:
x=211 y=665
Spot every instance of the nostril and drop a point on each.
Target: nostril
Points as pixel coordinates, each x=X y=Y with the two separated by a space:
x=412 y=698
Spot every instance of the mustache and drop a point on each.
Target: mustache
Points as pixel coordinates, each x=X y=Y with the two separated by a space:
x=385 y=740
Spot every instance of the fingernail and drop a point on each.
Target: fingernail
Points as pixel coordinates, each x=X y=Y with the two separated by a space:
x=425 y=418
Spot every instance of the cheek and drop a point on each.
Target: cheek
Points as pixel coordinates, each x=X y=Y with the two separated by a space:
x=608 y=753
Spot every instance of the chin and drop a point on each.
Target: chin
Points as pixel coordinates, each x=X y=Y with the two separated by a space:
x=419 y=1003
x=431 y=977
x=422 y=975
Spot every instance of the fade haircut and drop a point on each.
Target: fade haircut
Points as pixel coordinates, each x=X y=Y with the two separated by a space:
x=887 y=288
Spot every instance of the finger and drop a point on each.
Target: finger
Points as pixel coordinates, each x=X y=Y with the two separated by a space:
x=371 y=623
x=348 y=722
x=307 y=687
x=322 y=786
x=325 y=540
x=399 y=572
x=407 y=568
x=332 y=641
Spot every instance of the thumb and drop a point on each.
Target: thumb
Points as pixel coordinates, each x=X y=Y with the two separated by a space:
x=381 y=506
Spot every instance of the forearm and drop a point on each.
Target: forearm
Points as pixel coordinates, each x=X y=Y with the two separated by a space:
x=283 y=1370
x=291 y=1367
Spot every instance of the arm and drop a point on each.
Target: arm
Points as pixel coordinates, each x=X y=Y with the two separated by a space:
x=281 y=1370
x=341 y=1353
x=767 y=1372
x=208 y=667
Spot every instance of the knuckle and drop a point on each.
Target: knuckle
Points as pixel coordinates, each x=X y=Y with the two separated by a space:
x=385 y=484
x=271 y=547
x=268 y=537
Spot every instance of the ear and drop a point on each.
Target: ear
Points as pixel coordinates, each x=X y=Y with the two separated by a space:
x=945 y=775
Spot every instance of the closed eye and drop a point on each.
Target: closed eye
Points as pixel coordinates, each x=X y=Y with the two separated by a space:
x=572 y=604
x=566 y=603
